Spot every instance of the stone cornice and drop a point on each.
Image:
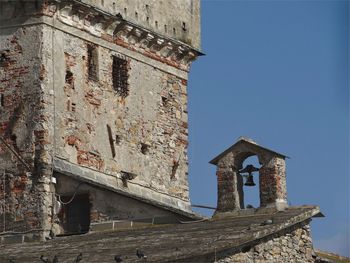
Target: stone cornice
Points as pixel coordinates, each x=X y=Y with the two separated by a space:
x=123 y=32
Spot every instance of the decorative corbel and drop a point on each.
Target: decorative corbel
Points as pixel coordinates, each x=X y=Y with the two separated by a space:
x=134 y=36
x=188 y=58
x=156 y=45
x=180 y=52
x=166 y=50
x=123 y=32
x=146 y=40
x=110 y=26
x=66 y=11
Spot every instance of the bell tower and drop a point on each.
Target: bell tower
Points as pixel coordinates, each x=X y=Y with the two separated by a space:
x=230 y=175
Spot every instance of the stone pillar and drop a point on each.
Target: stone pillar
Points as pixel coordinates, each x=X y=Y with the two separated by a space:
x=228 y=197
x=273 y=191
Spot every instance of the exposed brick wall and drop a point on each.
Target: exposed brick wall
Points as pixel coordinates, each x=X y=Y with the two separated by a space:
x=154 y=113
x=272 y=177
x=51 y=108
x=272 y=181
x=22 y=115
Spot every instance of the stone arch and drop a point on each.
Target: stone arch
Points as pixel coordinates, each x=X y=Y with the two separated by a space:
x=272 y=183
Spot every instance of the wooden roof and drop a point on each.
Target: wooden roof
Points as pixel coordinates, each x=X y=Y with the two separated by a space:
x=164 y=243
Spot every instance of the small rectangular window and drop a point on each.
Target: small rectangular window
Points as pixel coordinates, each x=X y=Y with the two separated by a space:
x=92 y=57
x=120 y=76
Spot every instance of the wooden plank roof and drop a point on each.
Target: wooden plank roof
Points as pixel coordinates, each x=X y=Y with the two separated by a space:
x=164 y=243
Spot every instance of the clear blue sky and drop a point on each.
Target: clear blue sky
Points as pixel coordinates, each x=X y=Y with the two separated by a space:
x=277 y=72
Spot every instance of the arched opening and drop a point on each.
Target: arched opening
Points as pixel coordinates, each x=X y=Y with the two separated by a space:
x=251 y=194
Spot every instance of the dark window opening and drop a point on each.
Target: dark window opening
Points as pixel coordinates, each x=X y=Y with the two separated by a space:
x=69 y=77
x=120 y=76
x=174 y=31
x=156 y=23
x=92 y=55
x=2 y=101
x=136 y=15
x=165 y=28
x=77 y=214
x=145 y=148
x=147 y=19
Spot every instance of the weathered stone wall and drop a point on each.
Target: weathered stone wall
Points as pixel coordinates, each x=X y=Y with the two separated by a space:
x=51 y=109
x=153 y=114
x=179 y=19
x=228 y=184
x=23 y=113
x=290 y=246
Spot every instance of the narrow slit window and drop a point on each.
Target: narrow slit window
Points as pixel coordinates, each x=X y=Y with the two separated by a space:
x=92 y=62
x=120 y=76
x=2 y=100
x=184 y=26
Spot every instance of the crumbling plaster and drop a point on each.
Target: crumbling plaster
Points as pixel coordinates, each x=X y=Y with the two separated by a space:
x=39 y=122
x=81 y=134
x=23 y=118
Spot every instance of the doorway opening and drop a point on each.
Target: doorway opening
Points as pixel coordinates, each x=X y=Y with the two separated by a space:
x=76 y=214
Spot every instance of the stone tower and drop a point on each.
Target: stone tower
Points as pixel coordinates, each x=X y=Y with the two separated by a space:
x=93 y=102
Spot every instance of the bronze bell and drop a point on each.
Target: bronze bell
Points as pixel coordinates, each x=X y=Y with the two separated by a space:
x=249 y=180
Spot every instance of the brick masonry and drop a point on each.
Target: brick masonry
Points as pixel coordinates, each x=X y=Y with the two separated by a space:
x=51 y=109
x=272 y=175
x=23 y=117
